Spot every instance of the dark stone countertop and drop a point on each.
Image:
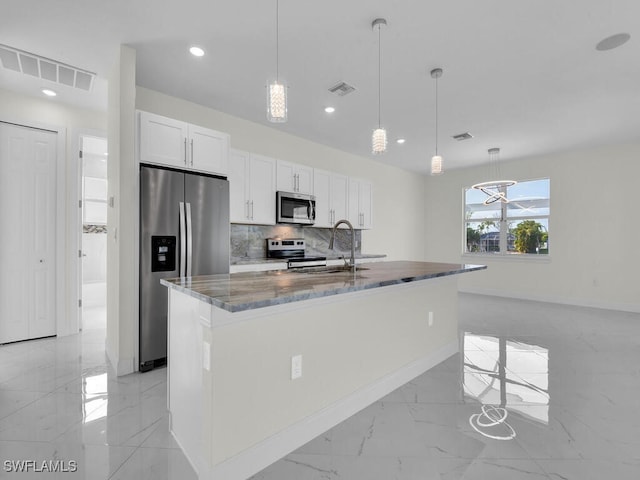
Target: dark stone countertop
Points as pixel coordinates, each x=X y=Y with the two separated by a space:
x=237 y=292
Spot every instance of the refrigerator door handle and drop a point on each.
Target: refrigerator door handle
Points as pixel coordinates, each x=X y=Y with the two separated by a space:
x=183 y=242
x=189 y=240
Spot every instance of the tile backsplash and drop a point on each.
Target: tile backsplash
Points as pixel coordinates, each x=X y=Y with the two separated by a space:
x=248 y=241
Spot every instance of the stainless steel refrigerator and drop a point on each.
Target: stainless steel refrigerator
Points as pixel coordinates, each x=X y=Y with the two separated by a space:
x=184 y=232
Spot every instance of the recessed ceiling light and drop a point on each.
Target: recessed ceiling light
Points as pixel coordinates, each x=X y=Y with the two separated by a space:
x=329 y=109
x=400 y=141
x=196 y=51
x=48 y=92
x=614 y=41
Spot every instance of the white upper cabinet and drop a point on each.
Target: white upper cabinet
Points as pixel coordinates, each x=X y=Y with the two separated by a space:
x=209 y=150
x=174 y=143
x=331 y=192
x=294 y=178
x=163 y=140
x=321 y=190
x=238 y=194
x=360 y=203
x=252 y=188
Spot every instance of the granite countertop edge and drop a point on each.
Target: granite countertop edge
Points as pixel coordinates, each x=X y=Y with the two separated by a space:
x=185 y=286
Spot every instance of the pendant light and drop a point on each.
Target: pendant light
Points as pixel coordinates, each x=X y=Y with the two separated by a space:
x=436 y=160
x=379 y=137
x=277 y=90
x=496 y=190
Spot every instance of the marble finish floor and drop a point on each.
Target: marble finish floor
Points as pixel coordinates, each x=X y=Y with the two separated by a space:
x=538 y=391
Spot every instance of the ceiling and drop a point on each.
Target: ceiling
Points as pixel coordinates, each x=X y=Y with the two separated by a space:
x=523 y=76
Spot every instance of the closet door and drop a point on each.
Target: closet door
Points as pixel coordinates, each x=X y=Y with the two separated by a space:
x=28 y=219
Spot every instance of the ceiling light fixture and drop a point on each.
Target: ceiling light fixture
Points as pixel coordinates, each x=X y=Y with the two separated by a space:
x=496 y=190
x=48 y=92
x=436 y=160
x=400 y=141
x=329 y=109
x=379 y=137
x=277 y=90
x=196 y=51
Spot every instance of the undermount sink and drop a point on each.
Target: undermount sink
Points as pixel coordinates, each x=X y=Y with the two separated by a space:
x=326 y=269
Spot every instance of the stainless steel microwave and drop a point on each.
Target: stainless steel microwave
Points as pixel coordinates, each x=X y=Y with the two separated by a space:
x=295 y=208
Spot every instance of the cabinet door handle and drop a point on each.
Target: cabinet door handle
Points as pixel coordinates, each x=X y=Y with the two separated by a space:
x=192 y=152
x=247 y=210
x=251 y=209
x=185 y=151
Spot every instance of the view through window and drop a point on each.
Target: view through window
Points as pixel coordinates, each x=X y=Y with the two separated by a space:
x=520 y=226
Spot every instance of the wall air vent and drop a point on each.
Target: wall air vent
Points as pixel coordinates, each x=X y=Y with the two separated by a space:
x=462 y=136
x=45 y=68
x=342 y=89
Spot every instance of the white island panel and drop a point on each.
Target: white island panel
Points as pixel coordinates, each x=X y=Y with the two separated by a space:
x=356 y=347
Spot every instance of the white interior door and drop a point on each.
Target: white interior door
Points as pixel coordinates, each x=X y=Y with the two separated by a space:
x=28 y=220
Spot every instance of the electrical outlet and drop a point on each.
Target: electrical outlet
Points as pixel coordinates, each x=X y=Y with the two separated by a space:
x=431 y=319
x=296 y=367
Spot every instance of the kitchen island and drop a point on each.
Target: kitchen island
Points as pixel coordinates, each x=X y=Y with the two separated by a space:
x=260 y=363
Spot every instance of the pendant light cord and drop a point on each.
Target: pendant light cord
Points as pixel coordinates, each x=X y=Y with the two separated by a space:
x=379 y=74
x=277 y=40
x=436 y=116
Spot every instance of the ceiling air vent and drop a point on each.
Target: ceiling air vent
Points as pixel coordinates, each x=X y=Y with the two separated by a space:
x=342 y=89
x=462 y=136
x=45 y=68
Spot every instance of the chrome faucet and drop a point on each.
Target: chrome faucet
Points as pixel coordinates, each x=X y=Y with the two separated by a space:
x=353 y=241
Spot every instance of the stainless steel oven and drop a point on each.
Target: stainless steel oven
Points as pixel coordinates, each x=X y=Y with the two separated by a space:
x=295 y=208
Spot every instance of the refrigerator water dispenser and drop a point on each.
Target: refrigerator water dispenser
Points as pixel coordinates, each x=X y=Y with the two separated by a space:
x=163 y=253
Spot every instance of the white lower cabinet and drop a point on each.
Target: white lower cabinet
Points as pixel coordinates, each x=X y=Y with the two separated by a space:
x=252 y=187
x=331 y=192
x=173 y=143
x=360 y=203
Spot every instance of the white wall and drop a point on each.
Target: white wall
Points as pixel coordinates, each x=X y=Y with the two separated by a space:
x=122 y=219
x=71 y=122
x=593 y=229
x=398 y=211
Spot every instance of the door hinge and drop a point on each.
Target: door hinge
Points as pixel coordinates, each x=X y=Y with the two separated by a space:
x=80 y=303
x=79 y=203
x=79 y=253
x=80 y=153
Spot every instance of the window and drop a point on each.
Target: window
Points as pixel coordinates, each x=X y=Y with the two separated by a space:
x=519 y=227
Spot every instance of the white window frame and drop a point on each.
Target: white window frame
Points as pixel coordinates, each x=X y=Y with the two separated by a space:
x=504 y=222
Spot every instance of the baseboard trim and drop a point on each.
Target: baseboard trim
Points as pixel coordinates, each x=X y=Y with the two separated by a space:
x=577 y=302
x=256 y=458
x=122 y=366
